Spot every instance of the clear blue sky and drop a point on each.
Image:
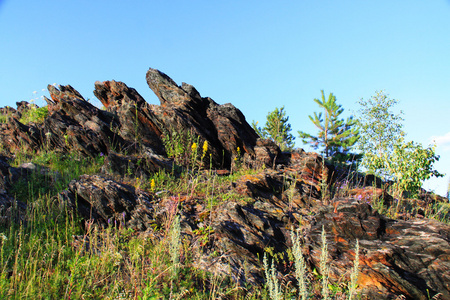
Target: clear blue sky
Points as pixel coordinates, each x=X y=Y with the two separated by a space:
x=257 y=55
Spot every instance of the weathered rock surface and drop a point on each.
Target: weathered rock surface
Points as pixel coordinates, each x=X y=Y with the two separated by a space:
x=130 y=124
x=107 y=201
x=396 y=257
x=410 y=258
x=10 y=208
x=295 y=191
x=5 y=199
x=182 y=111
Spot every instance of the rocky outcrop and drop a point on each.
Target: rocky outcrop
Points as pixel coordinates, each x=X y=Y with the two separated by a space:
x=130 y=125
x=258 y=211
x=109 y=202
x=183 y=112
x=409 y=258
x=136 y=121
x=397 y=257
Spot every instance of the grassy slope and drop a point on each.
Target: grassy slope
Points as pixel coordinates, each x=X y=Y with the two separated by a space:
x=44 y=257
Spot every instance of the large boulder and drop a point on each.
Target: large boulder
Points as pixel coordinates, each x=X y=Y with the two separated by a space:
x=109 y=202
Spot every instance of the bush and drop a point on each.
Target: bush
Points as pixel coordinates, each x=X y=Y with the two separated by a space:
x=411 y=164
x=34 y=114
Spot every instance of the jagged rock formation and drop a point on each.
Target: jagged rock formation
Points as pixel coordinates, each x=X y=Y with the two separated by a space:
x=397 y=257
x=183 y=111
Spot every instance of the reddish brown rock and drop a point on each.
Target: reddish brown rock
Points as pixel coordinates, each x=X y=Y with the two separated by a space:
x=142 y=165
x=409 y=258
x=16 y=136
x=109 y=202
x=295 y=191
x=184 y=110
x=136 y=121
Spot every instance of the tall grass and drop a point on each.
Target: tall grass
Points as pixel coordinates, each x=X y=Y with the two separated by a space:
x=53 y=255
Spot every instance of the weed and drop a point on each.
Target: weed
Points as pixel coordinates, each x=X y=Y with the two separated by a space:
x=34 y=114
x=354 y=275
x=174 y=247
x=272 y=282
x=4 y=117
x=300 y=265
x=324 y=268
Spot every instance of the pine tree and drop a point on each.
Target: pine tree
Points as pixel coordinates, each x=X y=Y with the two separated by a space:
x=335 y=135
x=277 y=128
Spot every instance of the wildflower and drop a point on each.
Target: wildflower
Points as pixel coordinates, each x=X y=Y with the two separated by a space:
x=205 y=147
x=238 y=150
x=152 y=185
x=3 y=237
x=194 y=147
x=101 y=154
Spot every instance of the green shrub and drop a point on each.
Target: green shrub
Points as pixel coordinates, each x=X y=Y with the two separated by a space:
x=4 y=118
x=411 y=164
x=34 y=115
x=385 y=151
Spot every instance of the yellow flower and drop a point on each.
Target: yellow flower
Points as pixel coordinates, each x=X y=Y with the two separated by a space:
x=194 y=147
x=238 y=150
x=152 y=185
x=205 y=147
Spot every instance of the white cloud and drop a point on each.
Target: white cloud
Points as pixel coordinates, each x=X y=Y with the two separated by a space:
x=442 y=141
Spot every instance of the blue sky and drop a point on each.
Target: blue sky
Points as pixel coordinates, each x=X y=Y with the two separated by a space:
x=257 y=55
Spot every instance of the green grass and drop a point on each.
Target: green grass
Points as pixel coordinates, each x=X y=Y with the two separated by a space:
x=46 y=258
x=34 y=115
x=41 y=259
x=4 y=118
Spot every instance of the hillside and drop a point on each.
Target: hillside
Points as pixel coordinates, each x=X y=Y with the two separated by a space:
x=183 y=200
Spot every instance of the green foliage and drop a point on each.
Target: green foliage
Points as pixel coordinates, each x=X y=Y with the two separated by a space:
x=42 y=260
x=185 y=149
x=177 y=145
x=448 y=191
x=411 y=164
x=34 y=114
x=277 y=128
x=380 y=129
x=385 y=151
x=4 y=117
x=50 y=164
x=336 y=136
